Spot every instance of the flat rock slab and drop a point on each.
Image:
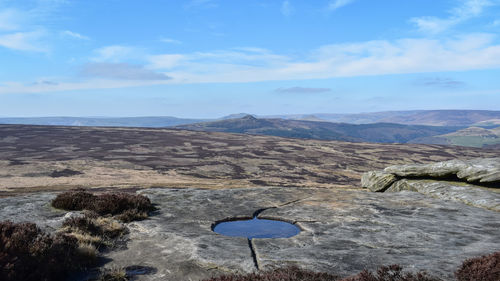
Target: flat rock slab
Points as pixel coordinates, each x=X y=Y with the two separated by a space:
x=344 y=231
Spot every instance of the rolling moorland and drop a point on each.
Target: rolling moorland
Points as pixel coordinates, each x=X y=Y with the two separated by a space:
x=473 y=128
x=52 y=158
x=196 y=179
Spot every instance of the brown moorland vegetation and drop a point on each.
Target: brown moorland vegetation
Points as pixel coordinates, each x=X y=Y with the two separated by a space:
x=124 y=206
x=485 y=268
x=27 y=253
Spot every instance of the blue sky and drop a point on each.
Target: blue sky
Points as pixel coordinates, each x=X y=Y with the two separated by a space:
x=209 y=58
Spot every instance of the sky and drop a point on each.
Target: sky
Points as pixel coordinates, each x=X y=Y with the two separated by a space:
x=210 y=58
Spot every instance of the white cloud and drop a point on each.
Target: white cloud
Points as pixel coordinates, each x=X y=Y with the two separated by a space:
x=496 y=23
x=121 y=71
x=167 y=61
x=170 y=41
x=302 y=90
x=337 y=4
x=410 y=55
x=380 y=57
x=116 y=53
x=286 y=8
x=74 y=35
x=467 y=10
x=23 y=41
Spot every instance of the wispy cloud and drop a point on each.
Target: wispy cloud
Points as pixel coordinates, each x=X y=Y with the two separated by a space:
x=475 y=51
x=122 y=71
x=466 y=10
x=286 y=8
x=23 y=41
x=337 y=4
x=439 y=82
x=10 y=20
x=22 y=26
x=170 y=41
x=116 y=53
x=45 y=82
x=302 y=90
x=74 y=35
x=240 y=65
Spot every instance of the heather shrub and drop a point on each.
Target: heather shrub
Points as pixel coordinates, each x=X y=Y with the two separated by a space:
x=74 y=200
x=282 y=274
x=118 y=203
x=132 y=215
x=391 y=273
x=485 y=268
x=27 y=253
x=126 y=207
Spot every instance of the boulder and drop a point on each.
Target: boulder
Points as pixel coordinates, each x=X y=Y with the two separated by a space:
x=483 y=170
x=401 y=185
x=438 y=170
x=377 y=181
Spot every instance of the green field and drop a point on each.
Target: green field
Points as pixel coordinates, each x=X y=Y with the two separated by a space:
x=473 y=141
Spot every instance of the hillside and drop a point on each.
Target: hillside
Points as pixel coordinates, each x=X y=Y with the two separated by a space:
x=52 y=158
x=412 y=117
x=472 y=136
x=162 y=121
x=379 y=132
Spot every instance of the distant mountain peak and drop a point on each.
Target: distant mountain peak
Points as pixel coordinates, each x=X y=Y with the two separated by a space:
x=248 y=117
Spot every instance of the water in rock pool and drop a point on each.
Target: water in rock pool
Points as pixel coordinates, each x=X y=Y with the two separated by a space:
x=257 y=228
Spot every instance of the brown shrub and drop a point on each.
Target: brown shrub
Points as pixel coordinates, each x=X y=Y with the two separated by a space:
x=118 y=203
x=391 y=273
x=74 y=200
x=132 y=215
x=282 y=274
x=27 y=253
x=485 y=268
x=127 y=207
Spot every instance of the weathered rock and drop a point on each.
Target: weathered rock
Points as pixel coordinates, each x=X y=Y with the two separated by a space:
x=483 y=170
x=438 y=170
x=401 y=185
x=32 y=208
x=456 y=191
x=344 y=231
x=377 y=180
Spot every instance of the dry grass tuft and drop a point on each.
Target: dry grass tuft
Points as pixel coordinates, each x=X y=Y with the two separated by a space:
x=93 y=229
x=113 y=274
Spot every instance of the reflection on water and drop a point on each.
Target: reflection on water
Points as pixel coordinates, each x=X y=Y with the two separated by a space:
x=257 y=228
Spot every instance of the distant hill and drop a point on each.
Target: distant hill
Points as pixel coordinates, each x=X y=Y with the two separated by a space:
x=102 y=121
x=472 y=136
x=459 y=118
x=379 y=132
x=412 y=117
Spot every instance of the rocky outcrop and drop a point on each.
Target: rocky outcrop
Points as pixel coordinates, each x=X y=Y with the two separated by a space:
x=475 y=182
x=343 y=231
x=377 y=180
x=482 y=170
